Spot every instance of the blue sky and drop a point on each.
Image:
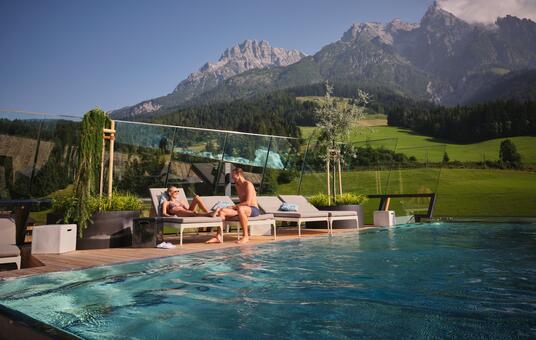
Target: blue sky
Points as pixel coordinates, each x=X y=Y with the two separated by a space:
x=69 y=56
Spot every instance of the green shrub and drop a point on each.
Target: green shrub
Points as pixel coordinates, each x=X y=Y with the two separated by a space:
x=350 y=198
x=322 y=200
x=319 y=200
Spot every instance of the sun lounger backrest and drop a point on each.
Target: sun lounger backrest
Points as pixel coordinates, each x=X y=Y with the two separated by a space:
x=269 y=203
x=210 y=201
x=7 y=230
x=300 y=201
x=156 y=193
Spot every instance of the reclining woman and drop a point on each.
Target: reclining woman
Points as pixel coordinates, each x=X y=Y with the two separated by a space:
x=173 y=207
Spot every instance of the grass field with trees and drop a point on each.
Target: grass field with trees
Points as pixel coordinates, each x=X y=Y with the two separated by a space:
x=461 y=192
x=407 y=139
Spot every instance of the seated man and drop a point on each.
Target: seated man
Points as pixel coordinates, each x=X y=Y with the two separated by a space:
x=173 y=207
x=247 y=207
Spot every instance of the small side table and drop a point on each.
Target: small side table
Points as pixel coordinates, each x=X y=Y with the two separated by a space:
x=54 y=239
x=384 y=218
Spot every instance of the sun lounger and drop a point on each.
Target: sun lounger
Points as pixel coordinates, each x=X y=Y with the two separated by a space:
x=304 y=205
x=9 y=252
x=262 y=219
x=271 y=204
x=182 y=223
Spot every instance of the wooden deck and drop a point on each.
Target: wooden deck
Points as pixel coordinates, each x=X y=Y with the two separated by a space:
x=192 y=243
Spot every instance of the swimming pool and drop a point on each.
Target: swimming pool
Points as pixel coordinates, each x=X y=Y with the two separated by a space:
x=422 y=280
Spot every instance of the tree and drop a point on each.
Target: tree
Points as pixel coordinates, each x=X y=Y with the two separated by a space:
x=508 y=154
x=446 y=158
x=335 y=118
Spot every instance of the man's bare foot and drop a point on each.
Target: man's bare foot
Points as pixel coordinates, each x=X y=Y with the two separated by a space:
x=216 y=239
x=243 y=240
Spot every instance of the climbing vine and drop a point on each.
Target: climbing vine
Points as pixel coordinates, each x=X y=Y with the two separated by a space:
x=89 y=158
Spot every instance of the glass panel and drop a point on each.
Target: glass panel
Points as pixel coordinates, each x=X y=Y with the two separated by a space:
x=55 y=166
x=283 y=167
x=249 y=152
x=367 y=165
x=196 y=161
x=19 y=134
x=312 y=179
x=36 y=153
x=418 y=176
x=141 y=155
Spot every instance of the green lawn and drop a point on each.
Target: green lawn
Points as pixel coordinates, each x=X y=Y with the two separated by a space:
x=461 y=192
x=420 y=146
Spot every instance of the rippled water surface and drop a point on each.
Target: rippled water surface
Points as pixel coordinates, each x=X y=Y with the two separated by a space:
x=415 y=281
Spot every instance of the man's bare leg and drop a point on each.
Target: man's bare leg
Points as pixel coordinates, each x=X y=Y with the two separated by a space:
x=223 y=213
x=243 y=213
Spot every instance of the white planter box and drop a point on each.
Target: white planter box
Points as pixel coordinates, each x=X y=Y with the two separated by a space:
x=384 y=218
x=54 y=239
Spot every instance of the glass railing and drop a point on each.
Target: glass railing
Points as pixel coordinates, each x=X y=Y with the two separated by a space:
x=38 y=156
x=37 y=153
x=151 y=155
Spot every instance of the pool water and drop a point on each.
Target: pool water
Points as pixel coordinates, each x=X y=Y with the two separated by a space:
x=412 y=281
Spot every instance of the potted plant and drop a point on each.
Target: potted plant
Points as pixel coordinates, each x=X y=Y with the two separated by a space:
x=347 y=202
x=103 y=221
x=110 y=223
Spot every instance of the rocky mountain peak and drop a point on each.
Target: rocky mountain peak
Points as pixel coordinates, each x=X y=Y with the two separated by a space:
x=436 y=17
x=250 y=54
x=367 y=31
x=384 y=33
x=398 y=25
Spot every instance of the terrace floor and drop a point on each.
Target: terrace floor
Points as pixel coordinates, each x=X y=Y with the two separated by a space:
x=192 y=243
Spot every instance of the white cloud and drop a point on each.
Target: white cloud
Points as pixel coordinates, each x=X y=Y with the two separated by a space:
x=487 y=11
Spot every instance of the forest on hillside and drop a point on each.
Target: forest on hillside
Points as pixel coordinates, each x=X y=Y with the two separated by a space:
x=469 y=124
x=280 y=114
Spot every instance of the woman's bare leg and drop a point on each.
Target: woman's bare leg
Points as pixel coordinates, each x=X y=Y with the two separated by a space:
x=184 y=212
x=198 y=202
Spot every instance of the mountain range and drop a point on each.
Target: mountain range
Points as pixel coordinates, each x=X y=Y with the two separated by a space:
x=442 y=59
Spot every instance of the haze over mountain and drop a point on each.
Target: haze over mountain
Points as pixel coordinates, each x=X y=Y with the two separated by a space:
x=442 y=59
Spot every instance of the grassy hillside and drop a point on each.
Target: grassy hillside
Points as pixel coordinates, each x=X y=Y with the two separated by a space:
x=461 y=192
x=460 y=152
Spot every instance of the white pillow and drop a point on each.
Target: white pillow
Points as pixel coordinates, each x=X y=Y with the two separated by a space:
x=163 y=197
x=288 y=207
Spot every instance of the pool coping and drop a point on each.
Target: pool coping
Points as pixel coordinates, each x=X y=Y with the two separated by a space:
x=71 y=261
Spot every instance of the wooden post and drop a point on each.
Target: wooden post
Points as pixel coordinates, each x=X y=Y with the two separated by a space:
x=101 y=184
x=111 y=160
x=387 y=202
x=327 y=174
x=340 y=175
